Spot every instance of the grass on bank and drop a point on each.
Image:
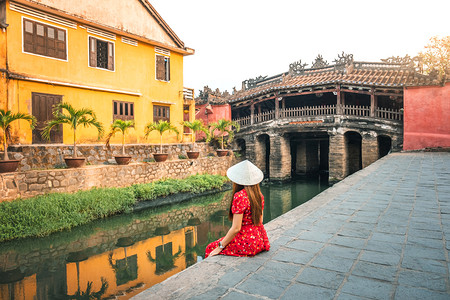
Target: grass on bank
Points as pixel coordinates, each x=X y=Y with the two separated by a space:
x=42 y=215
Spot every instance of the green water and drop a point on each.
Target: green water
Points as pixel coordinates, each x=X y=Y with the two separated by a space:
x=123 y=255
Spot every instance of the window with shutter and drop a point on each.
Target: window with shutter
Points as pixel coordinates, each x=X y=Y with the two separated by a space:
x=43 y=39
x=101 y=54
x=123 y=110
x=161 y=113
x=162 y=68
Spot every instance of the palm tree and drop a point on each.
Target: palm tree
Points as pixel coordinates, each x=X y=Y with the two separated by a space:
x=122 y=126
x=223 y=126
x=6 y=118
x=75 y=117
x=195 y=126
x=161 y=127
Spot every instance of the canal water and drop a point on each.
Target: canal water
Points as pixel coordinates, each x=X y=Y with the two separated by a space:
x=121 y=256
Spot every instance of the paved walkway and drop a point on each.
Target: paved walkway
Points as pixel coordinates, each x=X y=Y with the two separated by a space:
x=382 y=233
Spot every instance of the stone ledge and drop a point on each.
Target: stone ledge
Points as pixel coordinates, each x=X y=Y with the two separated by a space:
x=27 y=184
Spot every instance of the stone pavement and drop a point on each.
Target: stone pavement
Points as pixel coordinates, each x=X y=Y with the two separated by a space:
x=382 y=233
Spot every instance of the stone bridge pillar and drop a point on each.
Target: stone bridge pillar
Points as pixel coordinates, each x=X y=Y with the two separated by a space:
x=280 y=157
x=369 y=149
x=337 y=157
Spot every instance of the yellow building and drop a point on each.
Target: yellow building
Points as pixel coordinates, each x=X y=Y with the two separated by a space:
x=119 y=58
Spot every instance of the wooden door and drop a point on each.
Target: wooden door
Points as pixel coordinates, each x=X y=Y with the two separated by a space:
x=186 y=118
x=42 y=107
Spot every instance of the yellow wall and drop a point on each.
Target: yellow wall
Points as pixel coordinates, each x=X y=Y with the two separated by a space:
x=134 y=72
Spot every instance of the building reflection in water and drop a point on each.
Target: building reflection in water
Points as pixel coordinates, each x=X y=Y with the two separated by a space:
x=119 y=268
x=121 y=256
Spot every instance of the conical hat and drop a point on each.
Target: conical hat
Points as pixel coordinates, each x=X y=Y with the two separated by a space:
x=245 y=173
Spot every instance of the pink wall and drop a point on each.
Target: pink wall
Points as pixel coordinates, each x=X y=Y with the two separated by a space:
x=426 y=117
x=219 y=111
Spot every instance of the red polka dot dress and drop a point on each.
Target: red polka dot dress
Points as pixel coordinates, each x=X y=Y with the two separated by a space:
x=251 y=239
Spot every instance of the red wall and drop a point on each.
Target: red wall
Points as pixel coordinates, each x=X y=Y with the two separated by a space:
x=219 y=111
x=426 y=117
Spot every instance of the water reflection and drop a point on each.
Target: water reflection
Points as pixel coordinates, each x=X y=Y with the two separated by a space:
x=121 y=256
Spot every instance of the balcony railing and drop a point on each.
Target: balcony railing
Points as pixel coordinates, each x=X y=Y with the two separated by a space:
x=188 y=94
x=325 y=110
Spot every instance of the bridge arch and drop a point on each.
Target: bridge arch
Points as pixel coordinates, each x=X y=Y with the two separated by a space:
x=384 y=145
x=352 y=152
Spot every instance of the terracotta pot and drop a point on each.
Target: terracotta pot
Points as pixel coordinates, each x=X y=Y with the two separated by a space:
x=122 y=160
x=160 y=157
x=193 y=154
x=221 y=153
x=75 y=162
x=9 y=165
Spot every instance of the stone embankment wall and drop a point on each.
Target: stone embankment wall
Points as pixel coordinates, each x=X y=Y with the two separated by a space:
x=52 y=156
x=38 y=182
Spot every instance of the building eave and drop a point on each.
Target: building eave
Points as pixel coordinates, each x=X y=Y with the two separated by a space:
x=181 y=49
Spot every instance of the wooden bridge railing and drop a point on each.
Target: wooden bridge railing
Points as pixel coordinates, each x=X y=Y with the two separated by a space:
x=326 y=110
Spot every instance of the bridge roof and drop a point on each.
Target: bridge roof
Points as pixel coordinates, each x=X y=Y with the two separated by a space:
x=350 y=73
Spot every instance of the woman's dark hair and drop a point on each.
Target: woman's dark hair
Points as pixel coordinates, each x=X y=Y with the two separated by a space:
x=255 y=198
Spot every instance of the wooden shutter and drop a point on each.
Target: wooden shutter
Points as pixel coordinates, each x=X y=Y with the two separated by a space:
x=92 y=52
x=28 y=35
x=40 y=39
x=160 y=67
x=110 y=56
x=51 y=41
x=60 y=40
x=167 y=69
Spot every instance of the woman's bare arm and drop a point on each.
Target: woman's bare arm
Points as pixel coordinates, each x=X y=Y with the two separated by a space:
x=235 y=228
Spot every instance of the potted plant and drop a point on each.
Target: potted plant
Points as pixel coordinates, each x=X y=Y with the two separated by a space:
x=122 y=126
x=224 y=126
x=195 y=126
x=73 y=117
x=161 y=127
x=6 y=118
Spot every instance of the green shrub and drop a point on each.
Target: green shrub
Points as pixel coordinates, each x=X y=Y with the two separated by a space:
x=43 y=215
x=182 y=156
x=193 y=184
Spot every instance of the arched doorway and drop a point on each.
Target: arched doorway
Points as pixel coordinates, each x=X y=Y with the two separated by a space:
x=262 y=153
x=353 y=157
x=384 y=145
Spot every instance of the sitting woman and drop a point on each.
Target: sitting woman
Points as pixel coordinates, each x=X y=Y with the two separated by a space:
x=247 y=235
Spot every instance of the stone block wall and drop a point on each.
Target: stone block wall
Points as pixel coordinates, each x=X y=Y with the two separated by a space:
x=38 y=182
x=280 y=157
x=337 y=157
x=370 y=151
x=52 y=155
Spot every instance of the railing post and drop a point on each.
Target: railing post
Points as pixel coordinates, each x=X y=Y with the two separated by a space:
x=252 y=114
x=373 y=102
x=277 y=107
x=338 y=100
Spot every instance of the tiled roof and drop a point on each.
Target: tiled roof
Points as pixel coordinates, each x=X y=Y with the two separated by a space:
x=356 y=74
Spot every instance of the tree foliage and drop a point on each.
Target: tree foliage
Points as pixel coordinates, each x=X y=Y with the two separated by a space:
x=119 y=126
x=161 y=127
x=74 y=118
x=6 y=118
x=436 y=57
x=224 y=126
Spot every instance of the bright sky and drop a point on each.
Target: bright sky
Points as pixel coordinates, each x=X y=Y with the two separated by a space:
x=236 y=40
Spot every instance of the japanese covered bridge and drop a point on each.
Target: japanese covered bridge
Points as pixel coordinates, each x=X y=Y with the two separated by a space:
x=334 y=118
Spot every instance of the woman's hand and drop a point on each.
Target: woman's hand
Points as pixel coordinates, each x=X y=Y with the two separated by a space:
x=215 y=251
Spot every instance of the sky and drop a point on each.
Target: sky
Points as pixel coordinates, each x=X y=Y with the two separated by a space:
x=235 y=40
